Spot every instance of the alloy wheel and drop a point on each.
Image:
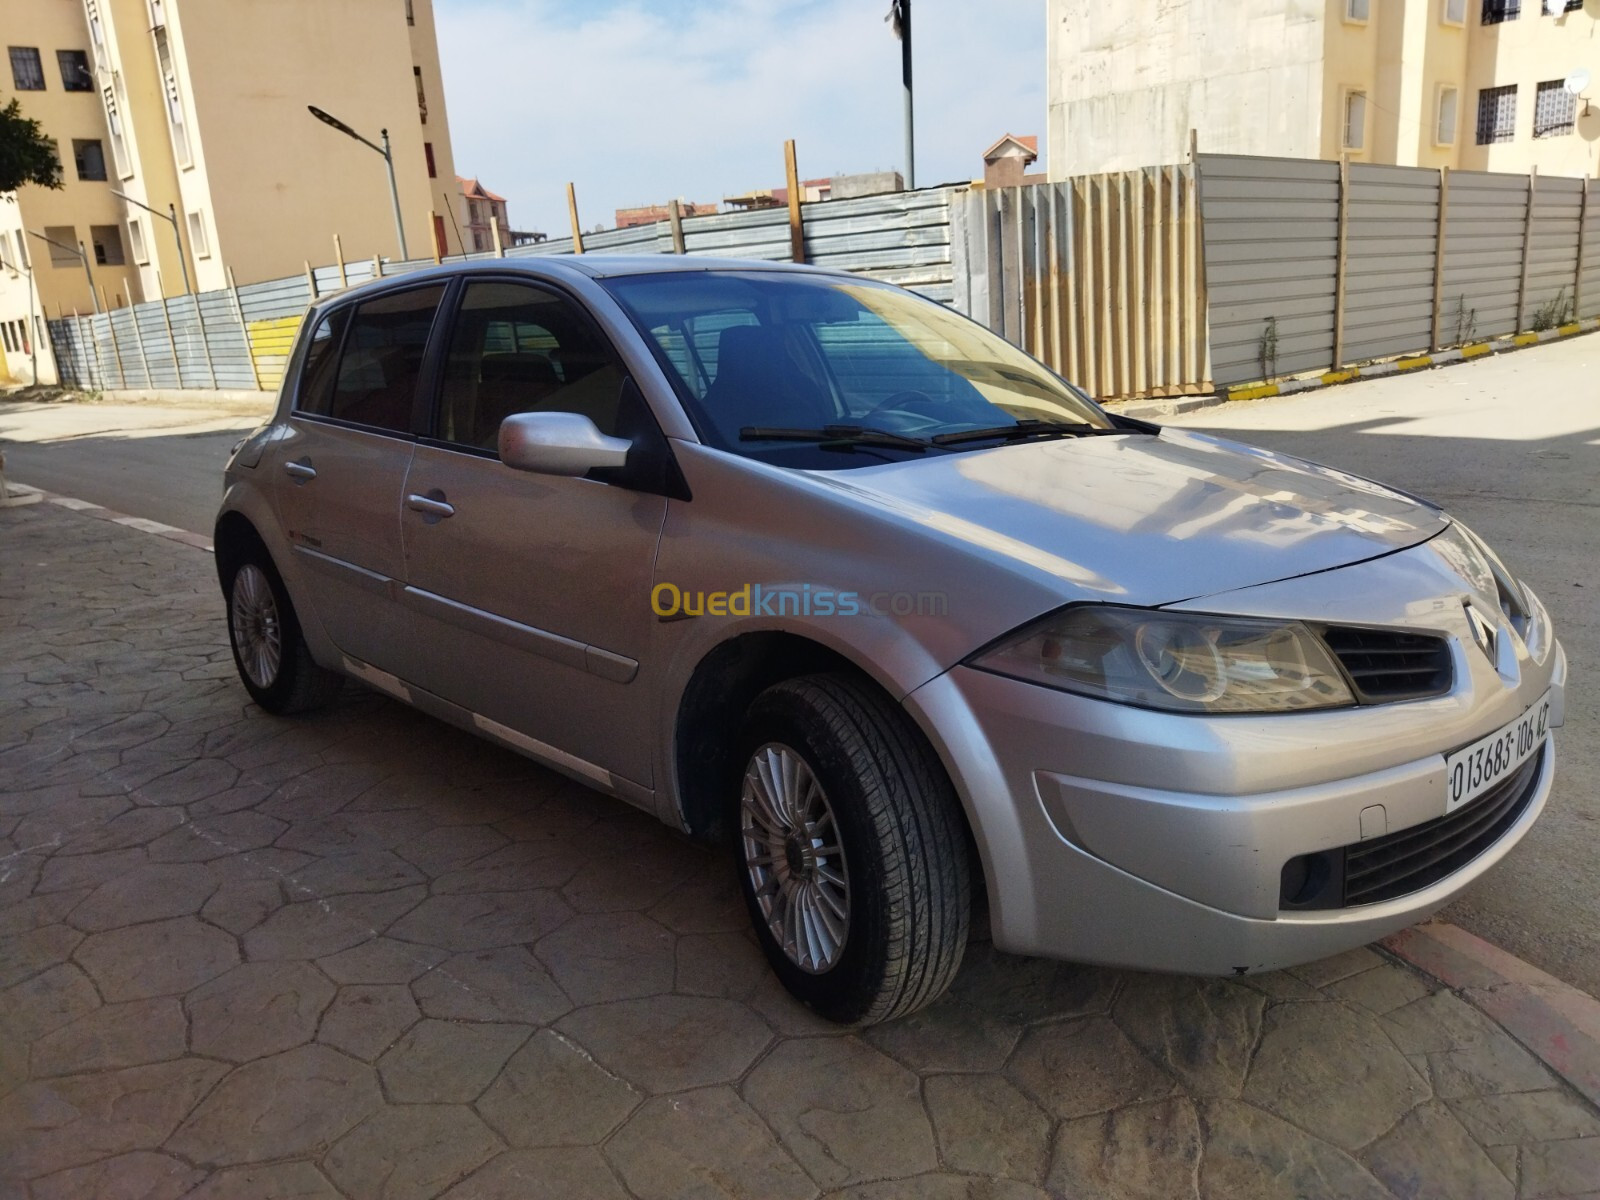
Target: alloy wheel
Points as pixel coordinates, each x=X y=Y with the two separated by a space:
x=257 y=627
x=795 y=858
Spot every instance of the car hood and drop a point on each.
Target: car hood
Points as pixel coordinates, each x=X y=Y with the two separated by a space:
x=1146 y=519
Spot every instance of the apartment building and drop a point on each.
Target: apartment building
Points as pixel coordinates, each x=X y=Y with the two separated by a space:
x=197 y=110
x=1474 y=84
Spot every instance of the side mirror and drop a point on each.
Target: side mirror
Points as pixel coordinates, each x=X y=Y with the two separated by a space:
x=558 y=443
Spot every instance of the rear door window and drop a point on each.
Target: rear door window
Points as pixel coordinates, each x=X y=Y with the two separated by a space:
x=380 y=362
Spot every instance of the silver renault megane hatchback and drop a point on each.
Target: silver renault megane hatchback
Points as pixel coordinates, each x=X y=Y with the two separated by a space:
x=820 y=568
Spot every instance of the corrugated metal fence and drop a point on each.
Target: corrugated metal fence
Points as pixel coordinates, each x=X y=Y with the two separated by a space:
x=1162 y=281
x=240 y=338
x=1317 y=265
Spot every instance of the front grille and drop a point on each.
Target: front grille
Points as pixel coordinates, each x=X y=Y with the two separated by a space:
x=1386 y=665
x=1398 y=864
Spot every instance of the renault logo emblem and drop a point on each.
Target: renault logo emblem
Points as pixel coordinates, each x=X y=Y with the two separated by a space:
x=1483 y=630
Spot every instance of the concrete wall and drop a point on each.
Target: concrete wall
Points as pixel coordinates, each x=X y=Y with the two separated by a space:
x=1128 y=81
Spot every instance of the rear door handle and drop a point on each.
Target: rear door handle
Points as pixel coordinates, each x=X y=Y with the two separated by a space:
x=429 y=506
x=300 y=470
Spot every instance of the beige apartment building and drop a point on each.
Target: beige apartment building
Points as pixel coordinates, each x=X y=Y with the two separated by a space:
x=1473 y=84
x=198 y=108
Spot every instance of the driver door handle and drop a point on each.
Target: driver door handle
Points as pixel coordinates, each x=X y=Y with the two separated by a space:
x=430 y=506
x=300 y=470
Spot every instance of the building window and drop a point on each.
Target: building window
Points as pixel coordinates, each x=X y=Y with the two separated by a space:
x=158 y=14
x=75 y=75
x=427 y=152
x=1444 y=125
x=174 y=100
x=422 y=96
x=119 y=150
x=198 y=241
x=1455 y=12
x=1556 y=8
x=63 y=245
x=1495 y=11
x=1355 y=120
x=136 y=241
x=27 y=71
x=22 y=249
x=411 y=13
x=107 y=242
x=472 y=212
x=479 y=242
x=1357 y=10
x=1497 y=114
x=89 y=155
x=1555 y=110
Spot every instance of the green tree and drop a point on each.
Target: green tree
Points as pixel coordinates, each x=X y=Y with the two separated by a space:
x=26 y=155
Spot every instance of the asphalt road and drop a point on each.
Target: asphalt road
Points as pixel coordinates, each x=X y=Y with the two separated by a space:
x=154 y=461
x=1509 y=444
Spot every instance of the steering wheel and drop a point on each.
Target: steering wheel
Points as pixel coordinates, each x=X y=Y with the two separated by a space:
x=909 y=400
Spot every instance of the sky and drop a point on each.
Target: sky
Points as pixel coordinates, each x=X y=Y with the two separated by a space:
x=638 y=102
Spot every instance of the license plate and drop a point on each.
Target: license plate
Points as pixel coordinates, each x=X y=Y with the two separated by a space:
x=1472 y=771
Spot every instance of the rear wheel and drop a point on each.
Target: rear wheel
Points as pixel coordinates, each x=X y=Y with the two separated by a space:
x=274 y=662
x=851 y=851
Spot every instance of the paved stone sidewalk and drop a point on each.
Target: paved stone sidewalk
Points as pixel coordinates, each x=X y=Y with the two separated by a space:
x=363 y=955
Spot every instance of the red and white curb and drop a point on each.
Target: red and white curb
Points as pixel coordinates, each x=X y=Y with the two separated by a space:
x=20 y=493
x=1558 y=1023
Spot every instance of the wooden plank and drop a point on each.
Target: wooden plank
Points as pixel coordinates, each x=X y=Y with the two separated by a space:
x=797 y=234
x=1339 y=262
x=338 y=257
x=675 y=222
x=1106 y=297
x=1577 y=272
x=1137 y=185
x=1438 y=253
x=1527 y=245
x=572 y=217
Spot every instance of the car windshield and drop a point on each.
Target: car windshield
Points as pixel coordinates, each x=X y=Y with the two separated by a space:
x=826 y=372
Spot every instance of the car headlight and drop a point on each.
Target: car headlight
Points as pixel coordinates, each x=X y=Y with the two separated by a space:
x=1182 y=662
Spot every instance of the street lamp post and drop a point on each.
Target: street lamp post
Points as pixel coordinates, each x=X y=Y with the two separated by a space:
x=388 y=159
x=82 y=257
x=170 y=215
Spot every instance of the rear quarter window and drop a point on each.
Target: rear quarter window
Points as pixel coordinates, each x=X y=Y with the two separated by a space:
x=317 y=373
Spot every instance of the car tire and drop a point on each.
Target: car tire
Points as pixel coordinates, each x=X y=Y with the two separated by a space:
x=859 y=888
x=274 y=662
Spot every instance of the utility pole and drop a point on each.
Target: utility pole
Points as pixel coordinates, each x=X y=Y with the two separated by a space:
x=899 y=19
x=171 y=217
x=388 y=161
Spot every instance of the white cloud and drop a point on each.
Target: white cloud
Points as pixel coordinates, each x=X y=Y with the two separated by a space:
x=637 y=103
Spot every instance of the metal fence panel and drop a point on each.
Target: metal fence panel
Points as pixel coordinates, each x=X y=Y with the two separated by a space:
x=1272 y=219
x=1589 y=269
x=1392 y=234
x=1552 y=252
x=1484 y=231
x=226 y=343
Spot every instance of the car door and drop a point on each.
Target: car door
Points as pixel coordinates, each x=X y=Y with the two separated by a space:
x=351 y=436
x=531 y=592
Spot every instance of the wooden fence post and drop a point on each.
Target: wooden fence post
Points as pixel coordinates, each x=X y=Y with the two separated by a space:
x=311 y=279
x=338 y=257
x=138 y=339
x=797 y=235
x=1342 y=255
x=172 y=342
x=1527 y=246
x=494 y=234
x=1438 y=254
x=572 y=215
x=433 y=235
x=244 y=328
x=205 y=340
x=675 y=218
x=116 y=350
x=1577 y=274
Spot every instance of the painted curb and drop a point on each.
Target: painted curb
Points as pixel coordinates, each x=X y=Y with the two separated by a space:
x=21 y=493
x=1558 y=1023
x=1398 y=366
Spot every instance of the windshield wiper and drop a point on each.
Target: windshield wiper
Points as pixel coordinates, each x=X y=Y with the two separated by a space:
x=1023 y=429
x=834 y=436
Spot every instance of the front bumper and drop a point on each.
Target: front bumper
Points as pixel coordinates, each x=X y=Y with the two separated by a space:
x=1125 y=837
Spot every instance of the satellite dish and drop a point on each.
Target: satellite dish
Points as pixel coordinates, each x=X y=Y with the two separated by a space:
x=1577 y=82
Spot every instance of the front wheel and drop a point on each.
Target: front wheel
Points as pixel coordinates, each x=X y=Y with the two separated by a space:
x=274 y=662
x=851 y=851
